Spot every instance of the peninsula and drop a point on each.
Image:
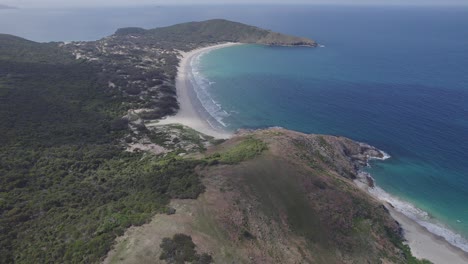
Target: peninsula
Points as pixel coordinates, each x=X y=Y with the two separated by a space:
x=90 y=173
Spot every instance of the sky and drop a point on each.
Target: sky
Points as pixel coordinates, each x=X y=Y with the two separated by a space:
x=94 y=3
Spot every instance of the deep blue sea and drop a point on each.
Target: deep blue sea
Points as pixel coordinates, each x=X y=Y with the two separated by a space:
x=394 y=77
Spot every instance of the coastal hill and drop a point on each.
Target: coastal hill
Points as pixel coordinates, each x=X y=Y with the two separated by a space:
x=215 y=31
x=81 y=173
x=142 y=64
x=276 y=196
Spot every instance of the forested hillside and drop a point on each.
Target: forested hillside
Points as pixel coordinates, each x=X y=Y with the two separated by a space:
x=187 y=35
x=67 y=187
x=78 y=165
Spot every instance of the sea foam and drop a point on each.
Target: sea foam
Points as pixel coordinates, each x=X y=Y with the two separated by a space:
x=416 y=214
x=201 y=85
x=385 y=156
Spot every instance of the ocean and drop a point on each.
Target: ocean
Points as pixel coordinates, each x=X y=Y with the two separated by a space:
x=393 y=77
x=396 y=78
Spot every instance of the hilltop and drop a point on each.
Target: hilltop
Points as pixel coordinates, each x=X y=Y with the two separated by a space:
x=277 y=196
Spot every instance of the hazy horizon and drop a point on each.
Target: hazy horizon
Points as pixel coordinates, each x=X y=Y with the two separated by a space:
x=91 y=3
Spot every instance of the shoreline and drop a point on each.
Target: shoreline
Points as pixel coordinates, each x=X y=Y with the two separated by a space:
x=191 y=112
x=426 y=245
x=423 y=243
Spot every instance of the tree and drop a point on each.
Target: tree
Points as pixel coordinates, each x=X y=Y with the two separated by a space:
x=181 y=249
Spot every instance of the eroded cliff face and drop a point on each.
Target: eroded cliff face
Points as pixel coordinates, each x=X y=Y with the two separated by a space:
x=276 y=196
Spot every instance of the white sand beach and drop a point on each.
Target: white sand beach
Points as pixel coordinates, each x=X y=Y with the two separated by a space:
x=423 y=244
x=191 y=112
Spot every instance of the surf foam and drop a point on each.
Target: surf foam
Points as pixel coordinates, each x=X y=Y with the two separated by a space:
x=201 y=85
x=416 y=214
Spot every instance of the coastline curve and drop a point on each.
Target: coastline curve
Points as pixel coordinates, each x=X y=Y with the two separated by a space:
x=192 y=112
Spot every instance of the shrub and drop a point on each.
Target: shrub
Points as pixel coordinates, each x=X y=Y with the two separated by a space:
x=180 y=249
x=245 y=150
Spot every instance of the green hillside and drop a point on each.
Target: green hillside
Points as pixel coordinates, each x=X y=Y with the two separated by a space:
x=274 y=196
x=67 y=188
x=78 y=165
x=215 y=31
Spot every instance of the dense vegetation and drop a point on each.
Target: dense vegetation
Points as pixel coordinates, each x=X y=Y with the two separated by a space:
x=187 y=36
x=244 y=150
x=66 y=187
x=142 y=64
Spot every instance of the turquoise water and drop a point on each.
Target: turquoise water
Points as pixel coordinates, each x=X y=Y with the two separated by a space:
x=394 y=78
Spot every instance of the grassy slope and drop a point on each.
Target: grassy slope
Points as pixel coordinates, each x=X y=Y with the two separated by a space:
x=331 y=217
x=269 y=200
x=308 y=191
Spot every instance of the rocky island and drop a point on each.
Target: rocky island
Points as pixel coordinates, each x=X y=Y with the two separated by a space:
x=84 y=178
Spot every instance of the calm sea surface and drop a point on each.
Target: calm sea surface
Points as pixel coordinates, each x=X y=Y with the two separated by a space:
x=394 y=77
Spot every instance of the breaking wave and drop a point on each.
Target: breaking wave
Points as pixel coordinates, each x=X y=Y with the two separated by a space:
x=418 y=215
x=201 y=86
